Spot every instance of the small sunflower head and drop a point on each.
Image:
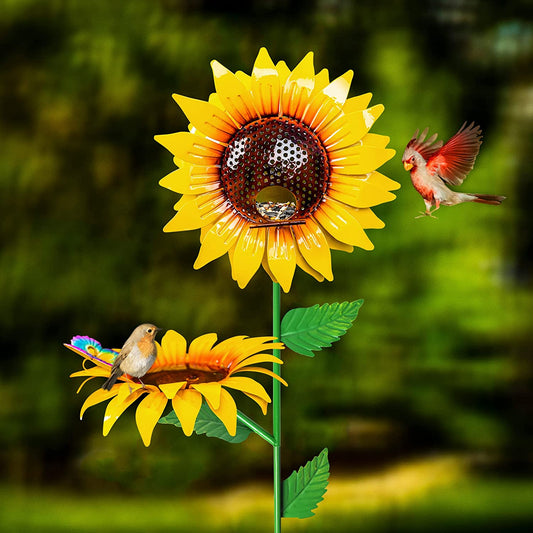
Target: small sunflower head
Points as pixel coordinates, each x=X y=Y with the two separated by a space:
x=185 y=376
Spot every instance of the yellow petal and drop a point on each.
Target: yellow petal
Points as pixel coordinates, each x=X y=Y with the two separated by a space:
x=366 y=218
x=198 y=211
x=252 y=345
x=210 y=203
x=174 y=347
x=304 y=265
x=283 y=71
x=248 y=253
x=204 y=184
x=338 y=89
x=321 y=111
x=219 y=239
x=253 y=359
x=379 y=180
x=349 y=155
x=184 y=200
x=262 y=403
x=245 y=79
x=281 y=256
x=241 y=349
x=268 y=372
x=359 y=194
x=215 y=100
x=321 y=81
x=230 y=255
x=202 y=345
x=171 y=389
x=98 y=396
x=350 y=128
x=265 y=84
x=367 y=196
x=130 y=387
x=204 y=231
x=94 y=371
x=357 y=103
x=82 y=385
x=335 y=244
x=227 y=346
x=211 y=392
x=326 y=104
x=208 y=118
x=233 y=94
x=186 y=405
x=191 y=179
x=117 y=406
x=360 y=159
x=204 y=172
x=314 y=248
x=178 y=180
x=353 y=152
x=371 y=114
x=226 y=411
x=192 y=148
x=148 y=413
x=247 y=385
x=266 y=268
x=226 y=352
x=298 y=87
x=336 y=220
x=148 y=388
x=375 y=140
x=337 y=135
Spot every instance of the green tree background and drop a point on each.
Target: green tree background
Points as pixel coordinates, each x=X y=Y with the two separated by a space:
x=440 y=357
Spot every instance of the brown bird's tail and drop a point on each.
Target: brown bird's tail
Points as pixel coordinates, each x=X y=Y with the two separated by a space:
x=111 y=380
x=488 y=199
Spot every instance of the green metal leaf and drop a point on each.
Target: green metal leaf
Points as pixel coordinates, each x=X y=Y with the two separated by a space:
x=302 y=491
x=309 y=329
x=209 y=424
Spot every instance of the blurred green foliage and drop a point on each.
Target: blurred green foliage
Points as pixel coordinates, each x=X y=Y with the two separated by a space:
x=491 y=506
x=440 y=356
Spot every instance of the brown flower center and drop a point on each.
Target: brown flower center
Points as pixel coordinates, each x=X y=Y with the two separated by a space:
x=269 y=154
x=190 y=375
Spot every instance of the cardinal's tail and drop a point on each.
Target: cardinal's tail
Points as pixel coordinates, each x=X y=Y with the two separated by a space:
x=487 y=199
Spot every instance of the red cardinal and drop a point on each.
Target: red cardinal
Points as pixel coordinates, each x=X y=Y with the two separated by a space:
x=433 y=166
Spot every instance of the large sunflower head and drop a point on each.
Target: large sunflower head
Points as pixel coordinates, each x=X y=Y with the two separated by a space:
x=185 y=376
x=278 y=168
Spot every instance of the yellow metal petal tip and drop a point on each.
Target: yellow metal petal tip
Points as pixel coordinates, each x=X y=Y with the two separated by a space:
x=218 y=68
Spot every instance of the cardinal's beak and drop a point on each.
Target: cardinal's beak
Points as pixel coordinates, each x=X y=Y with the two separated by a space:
x=407 y=166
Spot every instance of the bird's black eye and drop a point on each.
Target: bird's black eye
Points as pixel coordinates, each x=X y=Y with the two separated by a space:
x=149 y=330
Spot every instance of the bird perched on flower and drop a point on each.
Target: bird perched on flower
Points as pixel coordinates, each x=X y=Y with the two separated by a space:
x=433 y=166
x=136 y=356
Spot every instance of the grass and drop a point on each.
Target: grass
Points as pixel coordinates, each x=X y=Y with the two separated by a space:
x=436 y=495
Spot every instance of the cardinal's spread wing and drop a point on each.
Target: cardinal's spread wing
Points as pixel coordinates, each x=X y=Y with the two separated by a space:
x=425 y=148
x=456 y=158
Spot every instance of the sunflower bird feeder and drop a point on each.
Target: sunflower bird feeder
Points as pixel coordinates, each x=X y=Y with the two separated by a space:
x=278 y=169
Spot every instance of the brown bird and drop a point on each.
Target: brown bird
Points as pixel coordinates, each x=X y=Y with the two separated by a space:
x=432 y=166
x=136 y=356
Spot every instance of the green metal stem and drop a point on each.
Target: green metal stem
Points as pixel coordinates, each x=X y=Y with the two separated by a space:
x=256 y=428
x=276 y=407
